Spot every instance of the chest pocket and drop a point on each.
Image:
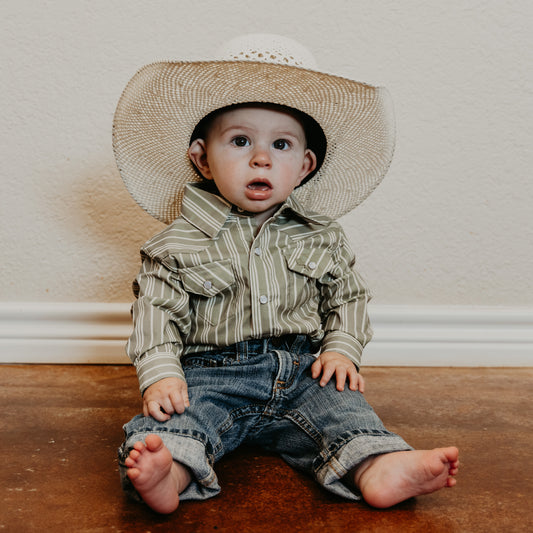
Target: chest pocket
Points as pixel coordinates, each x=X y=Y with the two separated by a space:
x=212 y=291
x=306 y=265
x=310 y=262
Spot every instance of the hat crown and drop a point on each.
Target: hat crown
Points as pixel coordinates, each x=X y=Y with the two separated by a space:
x=268 y=48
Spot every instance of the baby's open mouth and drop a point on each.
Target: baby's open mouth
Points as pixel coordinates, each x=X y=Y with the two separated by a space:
x=259 y=190
x=259 y=185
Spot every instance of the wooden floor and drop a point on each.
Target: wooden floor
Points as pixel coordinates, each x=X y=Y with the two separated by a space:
x=60 y=427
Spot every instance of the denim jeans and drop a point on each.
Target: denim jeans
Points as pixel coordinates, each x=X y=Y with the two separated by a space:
x=262 y=393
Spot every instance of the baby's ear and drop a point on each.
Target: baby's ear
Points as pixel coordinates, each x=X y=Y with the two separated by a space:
x=308 y=165
x=198 y=155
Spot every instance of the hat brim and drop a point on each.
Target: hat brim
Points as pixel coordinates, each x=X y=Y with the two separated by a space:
x=163 y=103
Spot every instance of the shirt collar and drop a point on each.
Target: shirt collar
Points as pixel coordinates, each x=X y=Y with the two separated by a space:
x=292 y=204
x=206 y=210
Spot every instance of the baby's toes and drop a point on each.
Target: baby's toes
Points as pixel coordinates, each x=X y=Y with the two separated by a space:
x=139 y=446
x=134 y=454
x=130 y=462
x=133 y=473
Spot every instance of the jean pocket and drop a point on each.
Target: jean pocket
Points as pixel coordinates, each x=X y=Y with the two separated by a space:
x=207 y=360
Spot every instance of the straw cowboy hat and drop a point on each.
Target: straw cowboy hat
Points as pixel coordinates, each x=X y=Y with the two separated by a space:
x=163 y=103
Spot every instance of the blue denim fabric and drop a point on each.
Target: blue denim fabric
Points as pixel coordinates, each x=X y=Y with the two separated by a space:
x=261 y=392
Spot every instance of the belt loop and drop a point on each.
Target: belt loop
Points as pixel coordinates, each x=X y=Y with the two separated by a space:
x=302 y=344
x=240 y=350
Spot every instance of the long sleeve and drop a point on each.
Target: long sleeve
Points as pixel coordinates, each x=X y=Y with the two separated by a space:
x=345 y=297
x=160 y=316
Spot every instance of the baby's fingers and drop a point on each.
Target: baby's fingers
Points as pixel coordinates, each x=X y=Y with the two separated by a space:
x=180 y=400
x=316 y=368
x=154 y=409
x=327 y=373
x=356 y=380
x=341 y=378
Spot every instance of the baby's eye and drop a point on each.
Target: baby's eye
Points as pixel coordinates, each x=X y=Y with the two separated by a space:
x=281 y=144
x=240 y=141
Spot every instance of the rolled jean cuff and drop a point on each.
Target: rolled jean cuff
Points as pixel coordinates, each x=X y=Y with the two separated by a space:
x=187 y=448
x=349 y=451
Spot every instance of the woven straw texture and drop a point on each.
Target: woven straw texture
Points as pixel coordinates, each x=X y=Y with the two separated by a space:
x=163 y=103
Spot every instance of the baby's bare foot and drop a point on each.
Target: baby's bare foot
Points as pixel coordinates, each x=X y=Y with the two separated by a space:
x=157 y=477
x=388 y=479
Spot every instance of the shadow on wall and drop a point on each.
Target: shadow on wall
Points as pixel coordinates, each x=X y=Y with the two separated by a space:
x=113 y=228
x=113 y=214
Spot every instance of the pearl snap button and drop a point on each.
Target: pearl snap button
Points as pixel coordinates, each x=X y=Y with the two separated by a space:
x=207 y=285
x=257 y=251
x=263 y=299
x=312 y=265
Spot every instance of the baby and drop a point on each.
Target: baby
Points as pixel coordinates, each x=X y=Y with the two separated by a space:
x=250 y=319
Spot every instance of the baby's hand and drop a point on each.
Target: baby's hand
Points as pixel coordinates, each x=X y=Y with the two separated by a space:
x=164 y=398
x=329 y=363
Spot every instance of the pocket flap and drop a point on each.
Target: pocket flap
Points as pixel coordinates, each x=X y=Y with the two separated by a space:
x=311 y=262
x=208 y=279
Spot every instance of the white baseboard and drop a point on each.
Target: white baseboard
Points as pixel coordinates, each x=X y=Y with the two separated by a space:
x=95 y=333
x=450 y=336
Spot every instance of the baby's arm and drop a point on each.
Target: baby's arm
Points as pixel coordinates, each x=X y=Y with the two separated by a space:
x=164 y=398
x=344 y=300
x=160 y=314
x=329 y=363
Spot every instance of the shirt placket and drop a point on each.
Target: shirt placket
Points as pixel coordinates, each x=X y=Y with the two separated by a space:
x=260 y=290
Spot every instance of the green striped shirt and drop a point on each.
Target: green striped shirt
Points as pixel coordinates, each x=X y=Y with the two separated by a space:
x=212 y=279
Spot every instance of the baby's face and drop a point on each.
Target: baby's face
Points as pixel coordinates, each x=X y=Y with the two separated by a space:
x=256 y=157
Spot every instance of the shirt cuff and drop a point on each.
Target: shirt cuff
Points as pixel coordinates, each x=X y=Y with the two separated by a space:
x=157 y=364
x=345 y=344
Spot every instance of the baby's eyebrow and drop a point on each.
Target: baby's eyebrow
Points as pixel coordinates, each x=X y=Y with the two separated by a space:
x=236 y=127
x=286 y=134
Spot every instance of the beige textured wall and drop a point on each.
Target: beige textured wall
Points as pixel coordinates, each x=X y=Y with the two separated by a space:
x=451 y=224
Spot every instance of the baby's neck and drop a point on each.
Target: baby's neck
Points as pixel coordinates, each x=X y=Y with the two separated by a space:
x=259 y=218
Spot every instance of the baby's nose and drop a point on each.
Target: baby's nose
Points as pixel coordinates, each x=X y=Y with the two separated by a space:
x=260 y=158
